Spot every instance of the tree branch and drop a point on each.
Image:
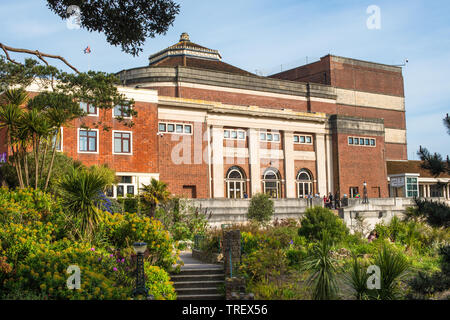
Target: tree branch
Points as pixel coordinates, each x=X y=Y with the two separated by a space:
x=37 y=53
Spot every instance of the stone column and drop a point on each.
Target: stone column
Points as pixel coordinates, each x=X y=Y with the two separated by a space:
x=289 y=167
x=254 y=161
x=217 y=162
x=321 y=164
x=329 y=149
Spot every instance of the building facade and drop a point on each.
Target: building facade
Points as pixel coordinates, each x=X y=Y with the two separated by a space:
x=212 y=130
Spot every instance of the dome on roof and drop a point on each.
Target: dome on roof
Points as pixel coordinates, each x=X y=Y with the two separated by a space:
x=184 y=37
x=186 y=48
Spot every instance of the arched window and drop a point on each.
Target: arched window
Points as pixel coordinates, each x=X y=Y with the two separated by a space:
x=236 y=183
x=272 y=182
x=304 y=183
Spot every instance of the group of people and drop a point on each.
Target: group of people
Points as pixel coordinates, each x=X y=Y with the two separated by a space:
x=331 y=202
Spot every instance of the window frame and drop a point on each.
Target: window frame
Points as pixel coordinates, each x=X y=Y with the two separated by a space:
x=175 y=124
x=114 y=116
x=130 y=142
x=87 y=110
x=304 y=136
x=356 y=141
x=237 y=131
x=272 y=134
x=97 y=145
x=61 y=147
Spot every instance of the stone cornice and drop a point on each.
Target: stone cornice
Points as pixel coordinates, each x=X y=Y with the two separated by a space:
x=225 y=79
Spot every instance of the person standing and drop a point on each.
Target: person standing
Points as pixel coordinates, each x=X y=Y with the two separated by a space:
x=330 y=199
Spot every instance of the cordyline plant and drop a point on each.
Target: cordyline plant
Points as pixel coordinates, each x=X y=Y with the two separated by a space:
x=33 y=123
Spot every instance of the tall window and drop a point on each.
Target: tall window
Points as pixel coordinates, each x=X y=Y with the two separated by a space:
x=236 y=184
x=272 y=182
x=122 y=111
x=411 y=187
x=122 y=142
x=88 y=108
x=304 y=183
x=57 y=139
x=88 y=140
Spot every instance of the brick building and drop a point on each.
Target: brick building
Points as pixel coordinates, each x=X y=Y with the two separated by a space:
x=212 y=130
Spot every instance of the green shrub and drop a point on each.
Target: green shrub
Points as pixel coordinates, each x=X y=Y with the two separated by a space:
x=128 y=204
x=158 y=283
x=122 y=230
x=317 y=220
x=261 y=208
x=436 y=213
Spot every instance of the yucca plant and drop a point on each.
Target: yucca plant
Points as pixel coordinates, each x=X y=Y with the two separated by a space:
x=394 y=267
x=81 y=191
x=322 y=268
x=357 y=280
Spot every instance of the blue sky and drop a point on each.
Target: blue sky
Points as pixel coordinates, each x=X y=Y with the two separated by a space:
x=269 y=35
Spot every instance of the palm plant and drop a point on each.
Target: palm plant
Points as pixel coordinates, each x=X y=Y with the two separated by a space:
x=81 y=191
x=154 y=194
x=322 y=267
x=10 y=115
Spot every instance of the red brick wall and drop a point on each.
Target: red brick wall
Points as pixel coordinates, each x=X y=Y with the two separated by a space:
x=316 y=72
x=145 y=153
x=358 y=164
x=192 y=171
x=368 y=79
x=396 y=151
x=243 y=99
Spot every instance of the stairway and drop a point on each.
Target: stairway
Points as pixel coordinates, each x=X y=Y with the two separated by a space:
x=198 y=281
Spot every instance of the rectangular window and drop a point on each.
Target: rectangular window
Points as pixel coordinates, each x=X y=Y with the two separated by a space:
x=356 y=140
x=226 y=134
x=361 y=141
x=125 y=179
x=372 y=142
x=233 y=134
x=120 y=191
x=187 y=128
x=110 y=191
x=88 y=109
x=241 y=135
x=130 y=190
x=170 y=127
x=179 y=128
x=308 y=139
x=88 y=140
x=350 y=140
x=276 y=137
x=122 y=111
x=296 y=139
x=162 y=127
x=302 y=139
x=122 y=142
x=262 y=136
x=269 y=137
x=367 y=142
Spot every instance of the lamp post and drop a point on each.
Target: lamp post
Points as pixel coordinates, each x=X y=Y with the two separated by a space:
x=365 y=198
x=139 y=249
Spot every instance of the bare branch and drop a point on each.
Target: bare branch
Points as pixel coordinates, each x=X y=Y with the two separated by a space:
x=37 y=53
x=7 y=55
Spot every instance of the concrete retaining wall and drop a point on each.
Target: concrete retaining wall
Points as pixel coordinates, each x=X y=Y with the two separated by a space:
x=229 y=211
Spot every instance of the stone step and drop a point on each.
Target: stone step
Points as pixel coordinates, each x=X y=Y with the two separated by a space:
x=198 y=277
x=197 y=291
x=216 y=296
x=201 y=271
x=198 y=284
